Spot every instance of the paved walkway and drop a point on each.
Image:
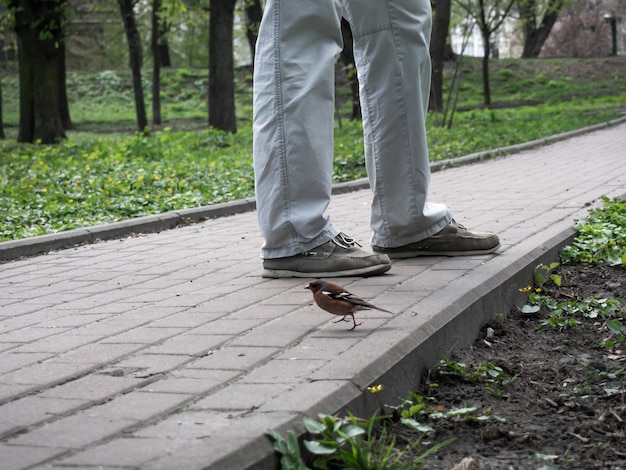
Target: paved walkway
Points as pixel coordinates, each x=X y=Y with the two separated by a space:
x=169 y=350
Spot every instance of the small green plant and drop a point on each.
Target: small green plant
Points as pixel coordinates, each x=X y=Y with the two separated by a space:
x=414 y=411
x=601 y=237
x=618 y=331
x=493 y=377
x=333 y=431
x=505 y=74
x=543 y=274
x=418 y=410
x=565 y=314
x=369 y=444
x=570 y=313
x=351 y=443
x=289 y=449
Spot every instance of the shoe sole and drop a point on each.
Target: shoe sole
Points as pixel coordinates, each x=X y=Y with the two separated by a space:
x=416 y=254
x=365 y=272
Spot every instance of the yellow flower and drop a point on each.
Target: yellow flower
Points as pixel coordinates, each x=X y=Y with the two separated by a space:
x=375 y=388
x=538 y=289
x=526 y=289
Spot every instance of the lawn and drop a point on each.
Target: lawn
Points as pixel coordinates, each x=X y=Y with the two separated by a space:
x=105 y=172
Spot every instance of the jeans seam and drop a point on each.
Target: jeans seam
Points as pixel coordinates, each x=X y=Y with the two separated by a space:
x=279 y=109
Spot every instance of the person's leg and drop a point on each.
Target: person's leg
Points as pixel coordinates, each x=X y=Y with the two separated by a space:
x=391 y=44
x=293 y=123
x=393 y=64
x=293 y=143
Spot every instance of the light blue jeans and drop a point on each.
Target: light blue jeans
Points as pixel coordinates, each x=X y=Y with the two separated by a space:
x=294 y=119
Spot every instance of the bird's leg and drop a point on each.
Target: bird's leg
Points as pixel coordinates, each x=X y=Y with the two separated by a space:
x=341 y=319
x=353 y=321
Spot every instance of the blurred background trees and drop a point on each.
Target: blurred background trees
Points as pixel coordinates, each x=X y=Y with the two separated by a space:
x=42 y=39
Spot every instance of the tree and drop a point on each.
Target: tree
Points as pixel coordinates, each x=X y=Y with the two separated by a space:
x=489 y=16
x=2 y=136
x=39 y=26
x=438 y=40
x=64 y=107
x=582 y=31
x=163 y=44
x=4 y=17
x=349 y=66
x=537 y=24
x=136 y=59
x=449 y=109
x=162 y=13
x=221 y=66
x=254 y=13
x=156 y=61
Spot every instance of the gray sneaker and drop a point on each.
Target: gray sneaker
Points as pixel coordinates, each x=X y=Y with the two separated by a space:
x=453 y=240
x=338 y=257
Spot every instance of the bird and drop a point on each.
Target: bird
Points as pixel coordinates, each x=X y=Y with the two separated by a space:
x=338 y=301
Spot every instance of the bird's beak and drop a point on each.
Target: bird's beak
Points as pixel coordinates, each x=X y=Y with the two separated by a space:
x=308 y=286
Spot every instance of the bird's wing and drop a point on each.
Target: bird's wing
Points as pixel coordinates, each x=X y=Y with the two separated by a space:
x=337 y=295
x=351 y=299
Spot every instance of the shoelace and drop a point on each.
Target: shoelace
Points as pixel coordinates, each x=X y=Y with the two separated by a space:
x=462 y=227
x=342 y=240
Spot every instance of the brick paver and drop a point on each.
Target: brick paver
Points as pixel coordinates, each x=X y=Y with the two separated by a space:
x=169 y=350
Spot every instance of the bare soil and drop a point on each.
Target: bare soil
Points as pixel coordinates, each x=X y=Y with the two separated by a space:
x=567 y=406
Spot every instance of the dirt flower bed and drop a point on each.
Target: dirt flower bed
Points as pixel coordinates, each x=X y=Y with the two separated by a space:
x=532 y=395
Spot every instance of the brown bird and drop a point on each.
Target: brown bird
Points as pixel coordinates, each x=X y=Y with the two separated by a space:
x=338 y=301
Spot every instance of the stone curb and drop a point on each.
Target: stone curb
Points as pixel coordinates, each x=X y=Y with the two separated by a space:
x=32 y=246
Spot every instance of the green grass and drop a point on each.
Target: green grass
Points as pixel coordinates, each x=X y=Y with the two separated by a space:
x=542 y=80
x=83 y=182
x=104 y=173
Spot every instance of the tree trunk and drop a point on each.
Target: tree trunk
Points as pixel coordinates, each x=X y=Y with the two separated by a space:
x=221 y=68
x=254 y=13
x=535 y=35
x=2 y=136
x=136 y=59
x=64 y=108
x=347 y=58
x=38 y=26
x=164 y=47
x=439 y=36
x=485 y=69
x=156 y=63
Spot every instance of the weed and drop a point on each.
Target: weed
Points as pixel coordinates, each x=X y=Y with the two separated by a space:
x=350 y=443
x=601 y=237
x=543 y=274
x=289 y=449
x=493 y=377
